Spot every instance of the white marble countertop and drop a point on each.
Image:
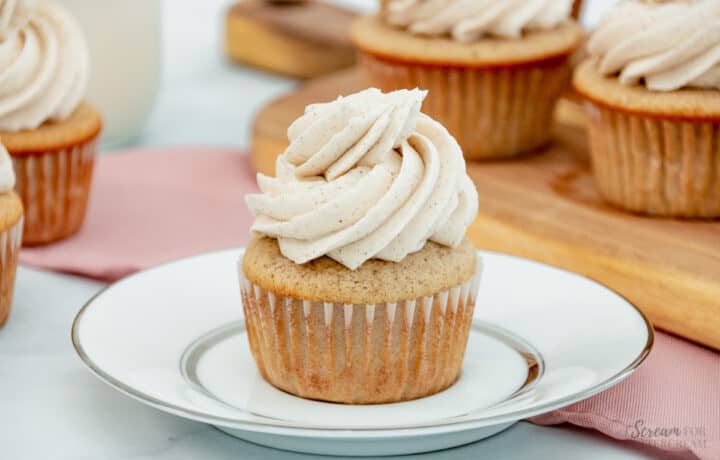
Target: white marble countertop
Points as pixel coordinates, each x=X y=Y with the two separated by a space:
x=53 y=408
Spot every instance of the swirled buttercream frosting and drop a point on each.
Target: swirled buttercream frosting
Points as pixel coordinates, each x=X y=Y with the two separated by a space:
x=367 y=176
x=469 y=20
x=44 y=63
x=7 y=174
x=665 y=45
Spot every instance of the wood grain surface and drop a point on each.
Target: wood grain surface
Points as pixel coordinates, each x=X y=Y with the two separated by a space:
x=544 y=206
x=298 y=39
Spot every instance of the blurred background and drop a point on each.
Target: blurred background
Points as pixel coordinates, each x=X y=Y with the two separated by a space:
x=169 y=81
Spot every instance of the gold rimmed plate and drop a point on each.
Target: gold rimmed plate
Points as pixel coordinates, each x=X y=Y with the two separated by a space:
x=172 y=337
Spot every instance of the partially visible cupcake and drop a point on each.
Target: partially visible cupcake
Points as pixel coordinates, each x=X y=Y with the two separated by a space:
x=11 y=224
x=494 y=69
x=49 y=131
x=359 y=285
x=652 y=86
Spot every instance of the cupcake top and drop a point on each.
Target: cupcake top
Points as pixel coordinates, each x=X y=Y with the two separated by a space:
x=7 y=174
x=44 y=63
x=665 y=45
x=470 y=20
x=366 y=176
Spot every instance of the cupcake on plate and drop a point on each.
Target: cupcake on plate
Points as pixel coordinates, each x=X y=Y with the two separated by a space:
x=494 y=69
x=359 y=285
x=652 y=86
x=50 y=132
x=11 y=224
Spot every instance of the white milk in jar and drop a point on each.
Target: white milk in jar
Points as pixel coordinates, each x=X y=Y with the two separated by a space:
x=124 y=37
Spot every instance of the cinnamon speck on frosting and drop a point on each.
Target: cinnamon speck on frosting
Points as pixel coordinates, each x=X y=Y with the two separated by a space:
x=469 y=21
x=664 y=45
x=44 y=63
x=365 y=176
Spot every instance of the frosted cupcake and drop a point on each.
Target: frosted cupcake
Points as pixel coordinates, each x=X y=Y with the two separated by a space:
x=495 y=69
x=50 y=132
x=652 y=87
x=359 y=285
x=11 y=223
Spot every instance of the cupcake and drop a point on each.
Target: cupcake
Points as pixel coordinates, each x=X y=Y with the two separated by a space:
x=11 y=224
x=494 y=69
x=50 y=132
x=358 y=285
x=652 y=91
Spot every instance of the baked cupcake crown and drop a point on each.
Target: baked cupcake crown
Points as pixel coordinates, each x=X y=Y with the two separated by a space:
x=470 y=20
x=366 y=176
x=665 y=45
x=44 y=63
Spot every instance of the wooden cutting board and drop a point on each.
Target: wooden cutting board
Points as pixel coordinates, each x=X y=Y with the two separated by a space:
x=545 y=207
x=301 y=39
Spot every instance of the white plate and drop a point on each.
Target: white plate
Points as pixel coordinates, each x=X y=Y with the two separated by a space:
x=173 y=338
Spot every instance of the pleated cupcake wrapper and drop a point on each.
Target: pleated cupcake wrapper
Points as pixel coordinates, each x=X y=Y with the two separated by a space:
x=492 y=112
x=10 y=242
x=359 y=353
x=655 y=166
x=54 y=187
x=577 y=8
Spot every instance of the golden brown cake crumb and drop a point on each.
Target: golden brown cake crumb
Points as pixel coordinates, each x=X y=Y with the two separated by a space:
x=688 y=103
x=81 y=126
x=373 y=36
x=11 y=210
x=433 y=269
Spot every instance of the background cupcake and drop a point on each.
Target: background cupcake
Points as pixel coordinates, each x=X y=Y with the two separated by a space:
x=653 y=100
x=50 y=133
x=11 y=223
x=494 y=69
x=359 y=286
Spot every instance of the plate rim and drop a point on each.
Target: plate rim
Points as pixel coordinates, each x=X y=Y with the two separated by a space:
x=529 y=353
x=293 y=429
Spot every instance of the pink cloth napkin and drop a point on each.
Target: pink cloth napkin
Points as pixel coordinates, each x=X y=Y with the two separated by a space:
x=150 y=206
x=671 y=403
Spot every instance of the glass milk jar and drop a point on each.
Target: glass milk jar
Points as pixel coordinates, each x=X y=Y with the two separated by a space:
x=124 y=37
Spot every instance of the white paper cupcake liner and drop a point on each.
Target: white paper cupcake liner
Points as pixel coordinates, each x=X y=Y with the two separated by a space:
x=656 y=166
x=10 y=243
x=360 y=353
x=54 y=187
